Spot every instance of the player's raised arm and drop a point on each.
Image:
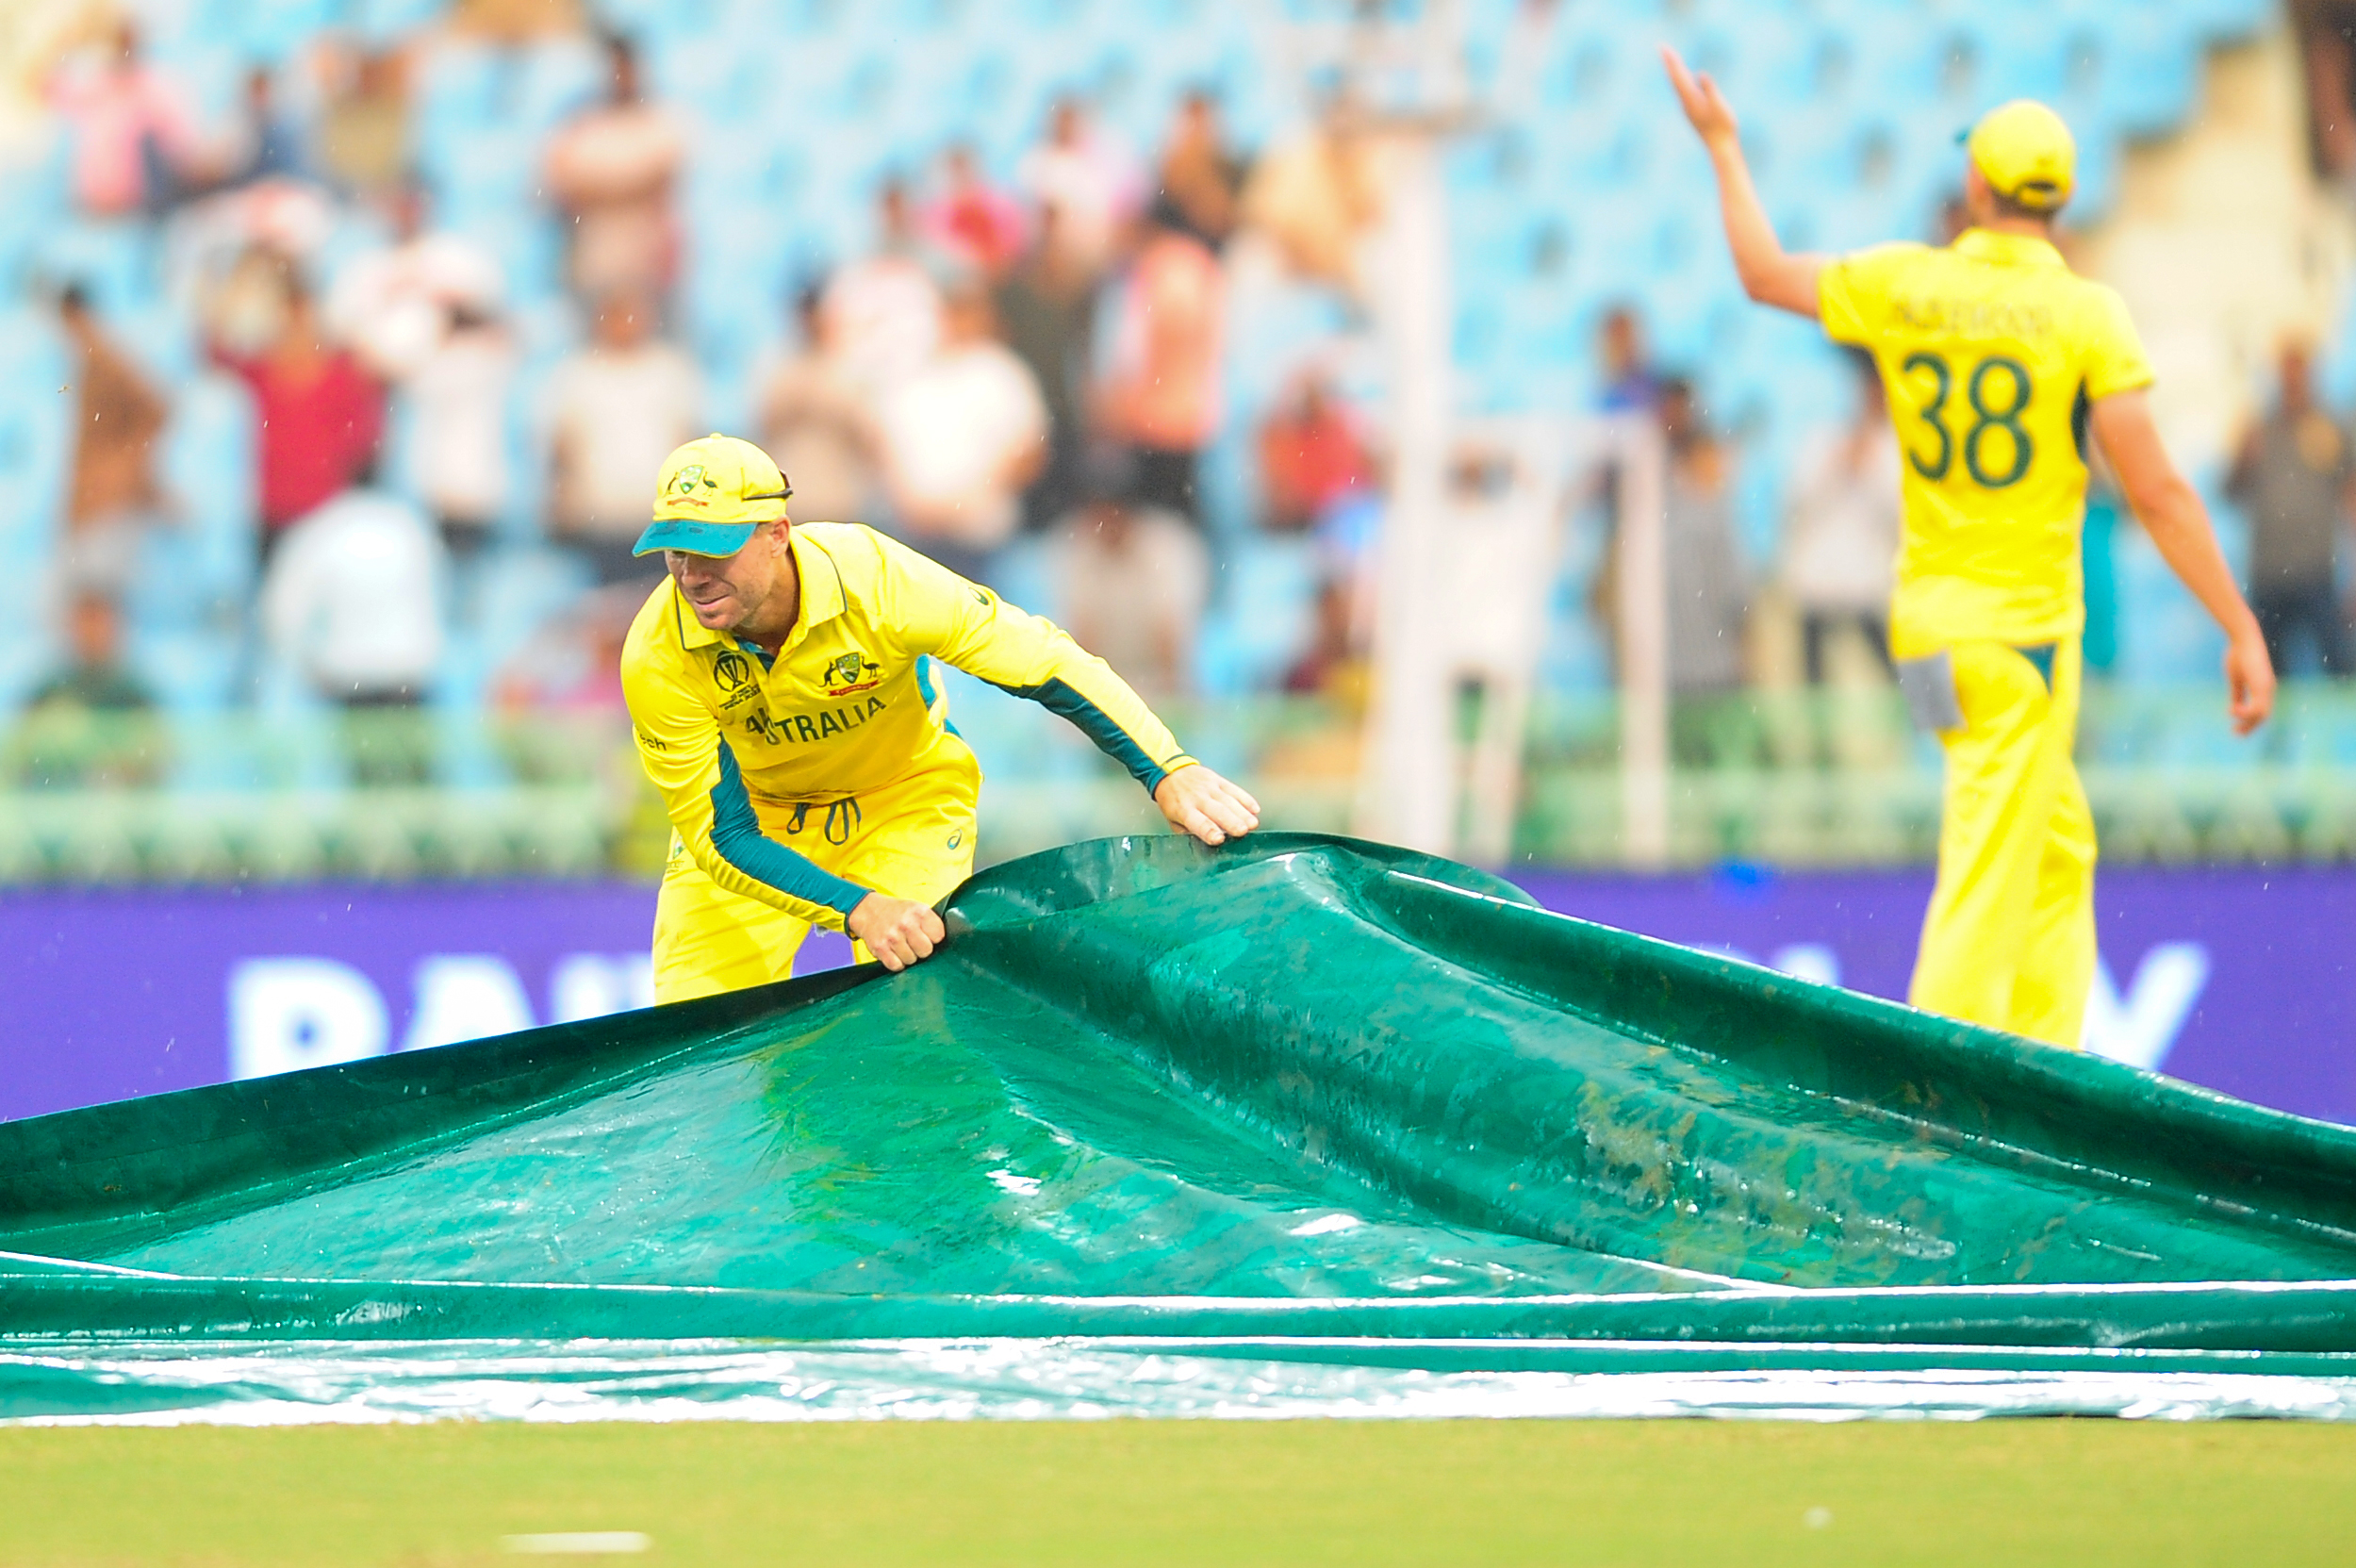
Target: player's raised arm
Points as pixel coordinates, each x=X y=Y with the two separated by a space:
x=1770 y=273
x=2171 y=512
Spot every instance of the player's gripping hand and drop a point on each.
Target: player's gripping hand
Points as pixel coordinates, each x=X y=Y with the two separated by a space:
x=1197 y=800
x=1706 y=108
x=896 y=931
x=2248 y=681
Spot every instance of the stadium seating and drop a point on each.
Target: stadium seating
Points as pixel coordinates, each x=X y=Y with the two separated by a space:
x=1575 y=189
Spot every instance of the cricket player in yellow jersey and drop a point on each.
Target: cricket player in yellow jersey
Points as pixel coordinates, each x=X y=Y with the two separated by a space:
x=778 y=687
x=2000 y=364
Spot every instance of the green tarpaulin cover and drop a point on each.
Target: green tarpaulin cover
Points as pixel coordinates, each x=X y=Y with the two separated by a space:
x=1299 y=1102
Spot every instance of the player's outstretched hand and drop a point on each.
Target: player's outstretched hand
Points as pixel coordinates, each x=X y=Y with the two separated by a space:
x=896 y=931
x=2248 y=681
x=1197 y=800
x=1706 y=108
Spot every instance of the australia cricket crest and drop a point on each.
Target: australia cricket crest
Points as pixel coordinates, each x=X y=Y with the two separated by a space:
x=851 y=672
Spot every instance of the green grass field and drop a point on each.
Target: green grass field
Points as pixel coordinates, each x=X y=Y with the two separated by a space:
x=2081 y=1493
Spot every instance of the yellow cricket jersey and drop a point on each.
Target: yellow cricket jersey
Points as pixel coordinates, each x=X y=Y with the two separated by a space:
x=846 y=706
x=1992 y=350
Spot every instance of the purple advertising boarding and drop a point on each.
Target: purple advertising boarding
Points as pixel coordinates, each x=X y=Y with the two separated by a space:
x=2234 y=978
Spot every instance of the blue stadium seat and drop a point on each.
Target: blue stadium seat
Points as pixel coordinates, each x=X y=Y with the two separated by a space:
x=114 y=259
x=2008 y=62
x=391 y=20
x=2149 y=72
x=33 y=200
x=1901 y=53
x=1268 y=616
x=34 y=435
x=206 y=469
x=2218 y=20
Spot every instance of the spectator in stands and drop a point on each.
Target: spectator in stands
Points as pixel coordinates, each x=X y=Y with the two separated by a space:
x=960 y=438
x=136 y=146
x=95 y=676
x=1134 y=580
x=263 y=142
x=112 y=497
x=1840 y=528
x=458 y=399
x=1091 y=178
x=1159 y=392
x=1709 y=599
x=317 y=413
x=884 y=311
x=2294 y=475
x=817 y=425
x=1200 y=175
x=615 y=410
x=354 y=600
x=1334 y=664
x=394 y=305
x=1311 y=456
x=1629 y=382
x=1318 y=195
x=1347 y=534
x=242 y=297
x=612 y=170
x=1046 y=310
x=363 y=137
x=89 y=724
x=971 y=221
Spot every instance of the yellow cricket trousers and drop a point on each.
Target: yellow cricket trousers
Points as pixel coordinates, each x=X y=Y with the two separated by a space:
x=912 y=839
x=2009 y=939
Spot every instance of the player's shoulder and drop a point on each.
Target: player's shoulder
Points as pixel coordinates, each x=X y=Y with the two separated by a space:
x=833 y=537
x=1890 y=252
x=2090 y=310
x=1854 y=290
x=860 y=562
x=2100 y=296
x=1890 y=259
x=854 y=550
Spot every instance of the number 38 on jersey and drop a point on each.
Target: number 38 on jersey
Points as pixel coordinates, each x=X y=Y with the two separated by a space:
x=1967 y=411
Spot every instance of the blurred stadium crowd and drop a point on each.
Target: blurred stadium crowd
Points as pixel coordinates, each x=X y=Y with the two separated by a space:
x=344 y=337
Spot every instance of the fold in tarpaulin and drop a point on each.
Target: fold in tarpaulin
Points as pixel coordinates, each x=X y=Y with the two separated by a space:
x=309 y=1382
x=1299 y=1100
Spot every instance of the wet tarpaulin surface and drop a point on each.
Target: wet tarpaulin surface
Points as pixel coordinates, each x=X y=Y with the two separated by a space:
x=1365 y=1118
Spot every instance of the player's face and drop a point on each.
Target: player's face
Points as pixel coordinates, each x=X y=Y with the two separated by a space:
x=729 y=592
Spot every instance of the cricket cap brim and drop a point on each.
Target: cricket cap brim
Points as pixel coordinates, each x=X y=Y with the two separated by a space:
x=690 y=537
